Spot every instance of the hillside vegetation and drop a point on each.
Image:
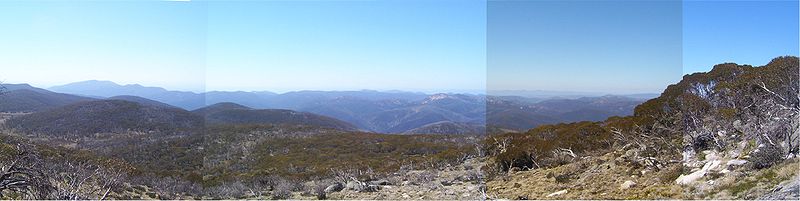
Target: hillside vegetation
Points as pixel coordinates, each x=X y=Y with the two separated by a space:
x=710 y=129
x=106 y=116
x=25 y=98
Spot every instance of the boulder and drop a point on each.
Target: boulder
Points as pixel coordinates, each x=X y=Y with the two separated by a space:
x=736 y=162
x=336 y=187
x=381 y=182
x=370 y=188
x=354 y=186
x=557 y=193
x=362 y=186
x=627 y=184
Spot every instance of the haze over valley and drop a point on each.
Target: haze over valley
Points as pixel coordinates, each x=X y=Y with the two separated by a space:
x=395 y=112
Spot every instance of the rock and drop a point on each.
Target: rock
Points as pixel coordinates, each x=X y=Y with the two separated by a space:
x=627 y=184
x=736 y=162
x=686 y=179
x=446 y=183
x=371 y=188
x=382 y=182
x=336 y=187
x=449 y=192
x=362 y=186
x=557 y=193
x=787 y=190
x=354 y=186
x=694 y=176
x=406 y=196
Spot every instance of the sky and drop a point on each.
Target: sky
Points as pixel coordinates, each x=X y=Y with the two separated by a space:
x=430 y=46
x=614 y=47
x=744 y=32
x=150 y=43
x=427 y=46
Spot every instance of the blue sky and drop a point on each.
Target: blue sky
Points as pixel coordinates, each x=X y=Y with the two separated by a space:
x=744 y=32
x=429 y=46
x=614 y=47
x=153 y=43
x=347 y=45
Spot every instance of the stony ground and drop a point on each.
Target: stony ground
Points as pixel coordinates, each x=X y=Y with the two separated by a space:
x=598 y=177
x=452 y=183
x=611 y=177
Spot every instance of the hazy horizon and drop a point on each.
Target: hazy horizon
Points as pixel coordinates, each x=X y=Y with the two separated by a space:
x=518 y=92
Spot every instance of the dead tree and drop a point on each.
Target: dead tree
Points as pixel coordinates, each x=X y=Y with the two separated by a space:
x=14 y=179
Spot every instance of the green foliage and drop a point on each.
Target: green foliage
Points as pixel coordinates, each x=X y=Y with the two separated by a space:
x=302 y=153
x=670 y=174
x=727 y=113
x=105 y=116
x=274 y=116
x=740 y=187
x=315 y=156
x=766 y=156
x=535 y=148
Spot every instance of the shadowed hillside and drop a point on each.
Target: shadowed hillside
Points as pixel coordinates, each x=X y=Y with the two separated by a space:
x=24 y=98
x=105 y=116
x=231 y=113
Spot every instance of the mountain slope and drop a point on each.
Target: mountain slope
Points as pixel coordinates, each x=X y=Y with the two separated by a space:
x=219 y=107
x=730 y=133
x=103 y=116
x=24 y=98
x=446 y=127
x=231 y=113
x=142 y=101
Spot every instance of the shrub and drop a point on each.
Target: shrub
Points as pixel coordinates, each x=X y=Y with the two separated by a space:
x=319 y=191
x=670 y=174
x=281 y=193
x=766 y=156
x=227 y=191
x=703 y=142
x=284 y=189
x=543 y=146
x=564 y=178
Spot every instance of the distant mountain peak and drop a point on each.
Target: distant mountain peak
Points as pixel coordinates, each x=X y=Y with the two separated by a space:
x=223 y=106
x=439 y=96
x=436 y=98
x=104 y=82
x=102 y=88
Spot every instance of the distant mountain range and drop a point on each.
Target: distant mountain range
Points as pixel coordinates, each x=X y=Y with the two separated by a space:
x=520 y=113
x=547 y=94
x=385 y=112
x=25 y=98
x=376 y=111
